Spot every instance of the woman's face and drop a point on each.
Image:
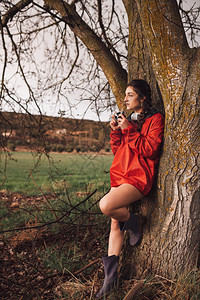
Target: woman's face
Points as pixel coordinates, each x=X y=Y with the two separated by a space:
x=132 y=100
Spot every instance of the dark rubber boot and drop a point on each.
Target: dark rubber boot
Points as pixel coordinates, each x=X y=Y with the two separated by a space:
x=134 y=226
x=110 y=264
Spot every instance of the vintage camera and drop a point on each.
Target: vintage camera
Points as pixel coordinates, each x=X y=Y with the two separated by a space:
x=117 y=115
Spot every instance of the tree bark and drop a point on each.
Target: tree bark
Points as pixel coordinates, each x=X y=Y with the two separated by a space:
x=139 y=60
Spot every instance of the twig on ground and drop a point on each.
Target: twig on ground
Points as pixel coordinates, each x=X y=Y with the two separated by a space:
x=75 y=273
x=87 y=266
x=134 y=291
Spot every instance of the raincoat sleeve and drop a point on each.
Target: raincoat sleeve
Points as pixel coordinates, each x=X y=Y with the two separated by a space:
x=115 y=140
x=146 y=145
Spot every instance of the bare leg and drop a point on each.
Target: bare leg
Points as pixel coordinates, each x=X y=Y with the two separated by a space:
x=116 y=239
x=114 y=204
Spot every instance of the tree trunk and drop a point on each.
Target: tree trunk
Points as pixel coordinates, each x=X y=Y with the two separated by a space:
x=139 y=61
x=171 y=235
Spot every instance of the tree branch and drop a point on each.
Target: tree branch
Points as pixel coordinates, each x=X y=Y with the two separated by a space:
x=114 y=72
x=52 y=222
x=110 y=45
x=5 y=59
x=134 y=291
x=116 y=75
x=14 y=10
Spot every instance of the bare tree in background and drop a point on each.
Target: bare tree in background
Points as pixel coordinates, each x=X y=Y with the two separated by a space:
x=158 y=51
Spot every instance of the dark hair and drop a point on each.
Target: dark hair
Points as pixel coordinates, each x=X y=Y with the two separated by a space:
x=142 y=88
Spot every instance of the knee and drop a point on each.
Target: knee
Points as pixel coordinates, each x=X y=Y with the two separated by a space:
x=105 y=207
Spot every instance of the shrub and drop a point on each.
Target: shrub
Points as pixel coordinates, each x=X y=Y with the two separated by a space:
x=48 y=148
x=18 y=142
x=69 y=148
x=93 y=148
x=60 y=148
x=54 y=148
x=84 y=148
x=11 y=146
x=78 y=149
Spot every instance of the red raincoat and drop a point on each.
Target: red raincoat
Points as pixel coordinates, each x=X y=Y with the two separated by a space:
x=137 y=153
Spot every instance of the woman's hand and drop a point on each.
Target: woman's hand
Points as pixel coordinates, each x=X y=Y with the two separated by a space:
x=113 y=124
x=122 y=122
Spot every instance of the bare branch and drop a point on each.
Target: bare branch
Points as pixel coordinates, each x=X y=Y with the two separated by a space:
x=54 y=221
x=5 y=59
x=190 y=21
x=14 y=10
x=110 y=45
x=134 y=291
x=21 y=69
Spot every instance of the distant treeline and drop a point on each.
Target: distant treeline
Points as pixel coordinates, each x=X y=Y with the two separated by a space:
x=52 y=133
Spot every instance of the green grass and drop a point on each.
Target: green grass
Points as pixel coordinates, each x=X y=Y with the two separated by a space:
x=71 y=176
x=24 y=172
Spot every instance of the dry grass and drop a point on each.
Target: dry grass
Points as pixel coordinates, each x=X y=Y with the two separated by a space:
x=185 y=287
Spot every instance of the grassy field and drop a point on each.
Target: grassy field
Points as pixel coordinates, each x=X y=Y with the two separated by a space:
x=25 y=172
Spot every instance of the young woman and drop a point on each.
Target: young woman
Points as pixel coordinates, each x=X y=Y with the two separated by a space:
x=135 y=142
